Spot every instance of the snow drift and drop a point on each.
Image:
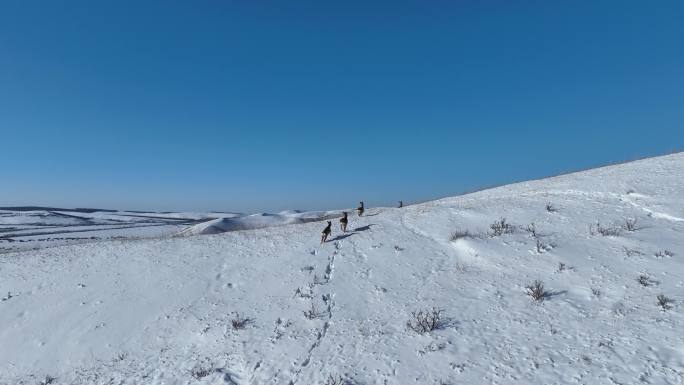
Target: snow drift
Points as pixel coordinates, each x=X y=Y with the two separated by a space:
x=258 y=221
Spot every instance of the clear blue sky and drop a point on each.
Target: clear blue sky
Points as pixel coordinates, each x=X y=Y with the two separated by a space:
x=262 y=106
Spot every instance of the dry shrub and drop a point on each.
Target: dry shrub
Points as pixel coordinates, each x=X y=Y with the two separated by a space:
x=664 y=302
x=500 y=227
x=240 y=322
x=425 y=321
x=536 y=290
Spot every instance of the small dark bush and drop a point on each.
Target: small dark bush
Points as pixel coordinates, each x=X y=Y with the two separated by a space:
x=664 y=302
x=302 y=293
x=47 y=380
x=612 y=231
x=199 y=372
x=630 y=224
x=459 y=234
x=664 y=253
x=632 y=252
x=500 y=227
x=120 y=356
x=541 y=246
x=425 y=321
x=536 y=290
x=240 y=321
x=550 y=208
x=644 y=280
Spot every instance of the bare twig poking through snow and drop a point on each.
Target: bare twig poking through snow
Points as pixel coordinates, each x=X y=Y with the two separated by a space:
x=303 y=293
x=541 y=246
x=199 y=372
x=664 y=302
x=644 y=280
x=425 y=321
x=612 y=231
x=121 y=356
x=240 y=321
x=550 y=208
x=47 y=380
x=630 y=224
x=532 y=229
x=596 y=291
x=500 y=227
x=536 y=290
x=432 y=347
x=664 y=253
x=631 y=252
x=459 y=234
x=335 y=380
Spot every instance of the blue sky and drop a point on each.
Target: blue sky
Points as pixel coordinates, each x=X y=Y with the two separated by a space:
x=263 y=106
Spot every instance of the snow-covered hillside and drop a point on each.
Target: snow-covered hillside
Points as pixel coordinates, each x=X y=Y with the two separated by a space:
x=161 y=311
x=23 y=228
x=27 y=228
x=259 y=221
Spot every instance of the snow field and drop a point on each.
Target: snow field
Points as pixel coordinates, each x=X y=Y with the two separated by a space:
x=160 y=311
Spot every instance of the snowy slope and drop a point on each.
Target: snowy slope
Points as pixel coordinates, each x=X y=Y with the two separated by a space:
x=34 y=228
x=258 y=221
x=159 y=311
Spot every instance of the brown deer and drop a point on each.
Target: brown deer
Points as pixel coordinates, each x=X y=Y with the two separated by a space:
x=326 y=232
x=343 y=222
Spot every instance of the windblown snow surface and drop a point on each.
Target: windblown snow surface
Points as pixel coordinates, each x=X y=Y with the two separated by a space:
x=160 y=311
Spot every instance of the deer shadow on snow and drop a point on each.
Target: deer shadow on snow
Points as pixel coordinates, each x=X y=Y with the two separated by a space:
x=341 y=237
x=352 y=232
x=372 y=215
x=363 y=228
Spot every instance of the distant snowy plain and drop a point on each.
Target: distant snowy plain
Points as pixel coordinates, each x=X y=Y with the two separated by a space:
x=605 y=242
